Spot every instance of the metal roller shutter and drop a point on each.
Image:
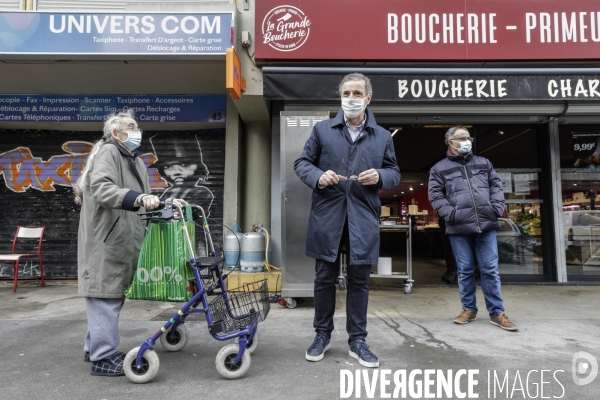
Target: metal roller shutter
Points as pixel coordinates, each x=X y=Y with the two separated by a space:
x=35 y=171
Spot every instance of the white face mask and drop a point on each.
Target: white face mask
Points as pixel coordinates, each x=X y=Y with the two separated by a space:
x=353 y=107
x=465 y=147
x=133 y=141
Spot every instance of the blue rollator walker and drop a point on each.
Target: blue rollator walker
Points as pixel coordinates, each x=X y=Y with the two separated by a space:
x=230 y=316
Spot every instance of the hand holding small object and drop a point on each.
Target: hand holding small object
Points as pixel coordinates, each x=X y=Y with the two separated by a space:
x=369 y=177
x=328 y=178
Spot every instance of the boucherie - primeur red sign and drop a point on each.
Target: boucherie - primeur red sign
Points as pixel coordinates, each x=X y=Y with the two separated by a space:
x=427 y=30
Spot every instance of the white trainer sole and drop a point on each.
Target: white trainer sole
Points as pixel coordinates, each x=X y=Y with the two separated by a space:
x=362 y=362
x=318 y=358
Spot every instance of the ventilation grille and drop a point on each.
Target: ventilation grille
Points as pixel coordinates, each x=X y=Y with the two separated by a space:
x=303 y=121
x=10 y=5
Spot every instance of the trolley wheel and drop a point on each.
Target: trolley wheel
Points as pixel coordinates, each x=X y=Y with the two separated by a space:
x=408 y=288
x=290 y=302
x=224 y=362
x=150 y=365
x=180 y=338
x=251 y=345
x=342 y=284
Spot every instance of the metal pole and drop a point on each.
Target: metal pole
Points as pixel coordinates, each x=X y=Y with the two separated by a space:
x=559 y=231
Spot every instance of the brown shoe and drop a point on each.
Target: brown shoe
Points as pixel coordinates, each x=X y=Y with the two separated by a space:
x=465 y=317
x=504 y=322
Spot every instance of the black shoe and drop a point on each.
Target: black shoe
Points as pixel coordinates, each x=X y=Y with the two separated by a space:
x=86 y=355
x=451 y=278
x=360 y=350
x=111 y=366
x=317 y=349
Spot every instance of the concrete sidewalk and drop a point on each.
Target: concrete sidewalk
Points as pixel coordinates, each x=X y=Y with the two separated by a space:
x=42 y=332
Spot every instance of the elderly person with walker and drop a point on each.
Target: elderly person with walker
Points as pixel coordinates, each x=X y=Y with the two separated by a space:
x=113 y=183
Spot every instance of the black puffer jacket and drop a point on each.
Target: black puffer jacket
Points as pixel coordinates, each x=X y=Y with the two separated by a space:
x=467 y=193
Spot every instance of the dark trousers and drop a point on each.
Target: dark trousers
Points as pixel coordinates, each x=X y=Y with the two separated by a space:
x=357 y=298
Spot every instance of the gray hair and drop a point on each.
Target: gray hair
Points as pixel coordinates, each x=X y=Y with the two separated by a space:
x=113 y=122
x=356 y=77
x=451 y=131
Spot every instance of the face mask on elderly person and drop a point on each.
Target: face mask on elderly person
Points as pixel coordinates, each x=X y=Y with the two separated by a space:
x=133 y=141
x=464 y=148
x=353 y=107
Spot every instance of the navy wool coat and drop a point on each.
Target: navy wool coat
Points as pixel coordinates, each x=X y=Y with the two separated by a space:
x=330 y=147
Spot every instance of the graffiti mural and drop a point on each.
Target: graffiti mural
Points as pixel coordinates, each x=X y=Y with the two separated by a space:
x=37 y=169
x=23 y=171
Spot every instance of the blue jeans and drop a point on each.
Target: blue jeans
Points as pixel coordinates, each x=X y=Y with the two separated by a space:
x=483 y=247
x=357 y=298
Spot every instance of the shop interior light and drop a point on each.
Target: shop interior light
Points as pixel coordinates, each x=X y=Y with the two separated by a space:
x=421 y=184
x=410 y=188
x=501 y=132
x=446 y=126
x=395 y=131
x=402 y=192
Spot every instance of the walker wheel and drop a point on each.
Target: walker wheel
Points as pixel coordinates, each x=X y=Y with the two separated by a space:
x=251 y=345
x=177 y=341
x=408 y=289
x=342 y=284
x=148 y=370
x=290 y=302
x=225 y=365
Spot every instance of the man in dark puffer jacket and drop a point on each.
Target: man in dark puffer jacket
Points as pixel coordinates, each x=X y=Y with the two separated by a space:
x=467 y=193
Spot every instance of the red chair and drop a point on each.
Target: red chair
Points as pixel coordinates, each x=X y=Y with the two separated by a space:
x=25 y=233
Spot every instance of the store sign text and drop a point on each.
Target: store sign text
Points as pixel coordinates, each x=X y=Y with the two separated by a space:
x=542 y=27
x=474 y=87
x=110 y=34
x=456 y=88
x=57 y=108
x=435 y=30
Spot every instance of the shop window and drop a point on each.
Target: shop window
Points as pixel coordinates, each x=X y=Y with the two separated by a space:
x=509 y=149
x=580 y=183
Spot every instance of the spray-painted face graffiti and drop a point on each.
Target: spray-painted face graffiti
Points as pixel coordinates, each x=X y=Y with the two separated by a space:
x=179 y=173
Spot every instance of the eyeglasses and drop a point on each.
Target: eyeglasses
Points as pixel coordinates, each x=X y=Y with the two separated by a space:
x=464 y=139
x=351 y=177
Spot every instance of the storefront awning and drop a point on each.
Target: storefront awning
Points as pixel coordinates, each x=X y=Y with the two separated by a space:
x=427 y=85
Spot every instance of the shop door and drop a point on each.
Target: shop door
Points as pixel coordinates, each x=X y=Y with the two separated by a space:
x=517 y=153
x=580 y=185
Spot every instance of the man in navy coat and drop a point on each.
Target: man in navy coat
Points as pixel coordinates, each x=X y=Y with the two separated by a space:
x=346 y=161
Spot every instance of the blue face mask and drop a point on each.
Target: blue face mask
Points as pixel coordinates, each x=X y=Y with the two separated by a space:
x=465 y=147
x=133 y=141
